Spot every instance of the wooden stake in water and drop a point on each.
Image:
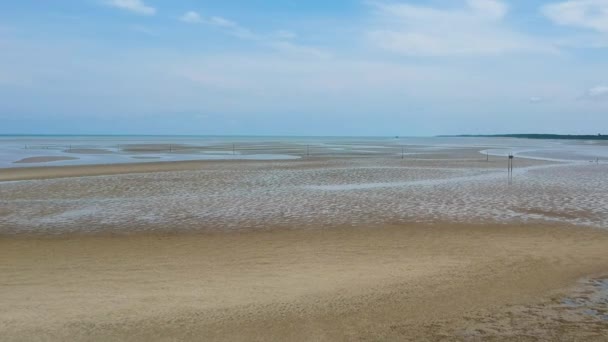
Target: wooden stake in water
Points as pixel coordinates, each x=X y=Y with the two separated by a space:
x=510 y=168
x=402 y=152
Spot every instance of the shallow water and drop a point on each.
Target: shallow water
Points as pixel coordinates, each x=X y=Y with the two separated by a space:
x=593 y=301
x=129 y=149
x=449 y=181
x=352 y=192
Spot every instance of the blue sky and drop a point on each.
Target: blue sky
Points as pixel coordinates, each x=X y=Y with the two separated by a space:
x=303 y=67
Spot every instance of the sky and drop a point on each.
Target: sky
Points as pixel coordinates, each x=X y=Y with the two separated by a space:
x=270 y=67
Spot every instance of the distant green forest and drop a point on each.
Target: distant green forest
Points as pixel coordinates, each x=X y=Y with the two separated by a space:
x=533 y=136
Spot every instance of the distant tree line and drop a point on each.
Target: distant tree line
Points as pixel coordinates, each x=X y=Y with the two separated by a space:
x=533 y=136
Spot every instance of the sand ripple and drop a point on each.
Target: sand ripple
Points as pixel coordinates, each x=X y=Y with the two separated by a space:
x=261 y=195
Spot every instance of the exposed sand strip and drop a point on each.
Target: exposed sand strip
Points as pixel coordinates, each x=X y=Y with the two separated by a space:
x=88 y=151
x=31 y=173
x=45 y=159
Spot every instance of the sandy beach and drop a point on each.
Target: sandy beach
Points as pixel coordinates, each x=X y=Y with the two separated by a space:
x=434 y=247
x=376 y=283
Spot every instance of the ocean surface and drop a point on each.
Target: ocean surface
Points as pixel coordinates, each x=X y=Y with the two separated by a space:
x=41 y=150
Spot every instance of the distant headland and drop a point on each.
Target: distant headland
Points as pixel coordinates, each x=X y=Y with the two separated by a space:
x=532 y=136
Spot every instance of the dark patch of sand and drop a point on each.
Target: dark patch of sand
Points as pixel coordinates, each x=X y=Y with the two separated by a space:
x=42 y=159
x=88 y=151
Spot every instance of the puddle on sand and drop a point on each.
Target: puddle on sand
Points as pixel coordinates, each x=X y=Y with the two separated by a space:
x=592 y=299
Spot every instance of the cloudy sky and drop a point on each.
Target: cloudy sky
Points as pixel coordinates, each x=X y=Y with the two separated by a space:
x=314 y=67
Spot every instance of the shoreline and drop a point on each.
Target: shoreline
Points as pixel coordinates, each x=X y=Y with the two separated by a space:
x=70 y=171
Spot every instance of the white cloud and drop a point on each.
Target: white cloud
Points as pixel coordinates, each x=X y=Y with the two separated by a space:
x=589 y=14
x=230 y=27
x=233 y=28
x=492 y=9
x=135 y=6
x=597 y=93
x=477 y=28
x=281 y=40
x=191 y=17
x=223 y=22
x=535 y=99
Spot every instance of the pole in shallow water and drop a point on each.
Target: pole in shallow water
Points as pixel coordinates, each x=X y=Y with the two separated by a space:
x=510 y=168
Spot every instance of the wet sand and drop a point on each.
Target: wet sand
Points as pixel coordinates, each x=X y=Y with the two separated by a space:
x=373 y=283
x=312 y=193
x=88 y=151
x=31 y=173
x=234 y=250
x=45 y=159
